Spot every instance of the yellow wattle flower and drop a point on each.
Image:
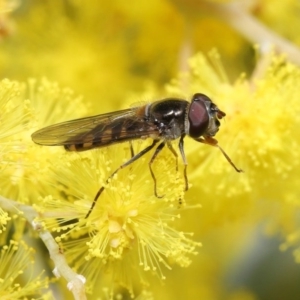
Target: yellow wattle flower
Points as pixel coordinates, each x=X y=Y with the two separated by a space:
x=27 y=107
x=16 y=273
x=129 y=230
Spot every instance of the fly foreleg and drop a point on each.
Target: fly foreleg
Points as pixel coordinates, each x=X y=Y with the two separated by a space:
x=181 y=148
x=213 y=142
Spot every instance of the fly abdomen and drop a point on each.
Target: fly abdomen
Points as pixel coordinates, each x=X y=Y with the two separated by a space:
x=83 y=143
x=80 y=147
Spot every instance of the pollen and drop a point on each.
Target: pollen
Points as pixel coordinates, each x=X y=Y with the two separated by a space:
x=13 y=284
x=129 y=227
x=4 y=219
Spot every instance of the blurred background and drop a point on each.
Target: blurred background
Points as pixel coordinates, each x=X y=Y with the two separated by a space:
x=107 y=50
x=116 y=52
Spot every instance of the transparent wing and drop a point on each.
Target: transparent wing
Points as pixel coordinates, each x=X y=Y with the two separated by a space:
x=96 y=131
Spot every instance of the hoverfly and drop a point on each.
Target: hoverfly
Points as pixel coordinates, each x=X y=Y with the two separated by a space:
x=162 y=121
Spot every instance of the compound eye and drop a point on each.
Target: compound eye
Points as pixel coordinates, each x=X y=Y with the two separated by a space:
x=198 y=116
x=200 y=97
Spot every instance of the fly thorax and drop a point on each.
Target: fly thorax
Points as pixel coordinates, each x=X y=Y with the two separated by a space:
x=173 y=131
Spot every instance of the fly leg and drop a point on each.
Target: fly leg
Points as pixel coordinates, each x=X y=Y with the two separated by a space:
x=130 y=161
x=181 y=148
x=131 y=149
x=174 y=153
x=213 y=142
x=180 y=145
x=157 y=150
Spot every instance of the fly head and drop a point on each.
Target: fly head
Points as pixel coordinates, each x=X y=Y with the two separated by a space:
x=203 y=117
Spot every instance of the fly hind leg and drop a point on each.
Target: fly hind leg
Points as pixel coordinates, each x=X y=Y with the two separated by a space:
x=130 y=161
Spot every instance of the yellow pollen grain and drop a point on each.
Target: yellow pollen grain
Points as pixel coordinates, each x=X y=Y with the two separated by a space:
x=114 y=226
x=129 y=233
x=133 y=213
x=115 y=242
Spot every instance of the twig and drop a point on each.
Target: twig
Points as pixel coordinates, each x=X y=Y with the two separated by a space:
x=75 y=281
x=252 y=29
